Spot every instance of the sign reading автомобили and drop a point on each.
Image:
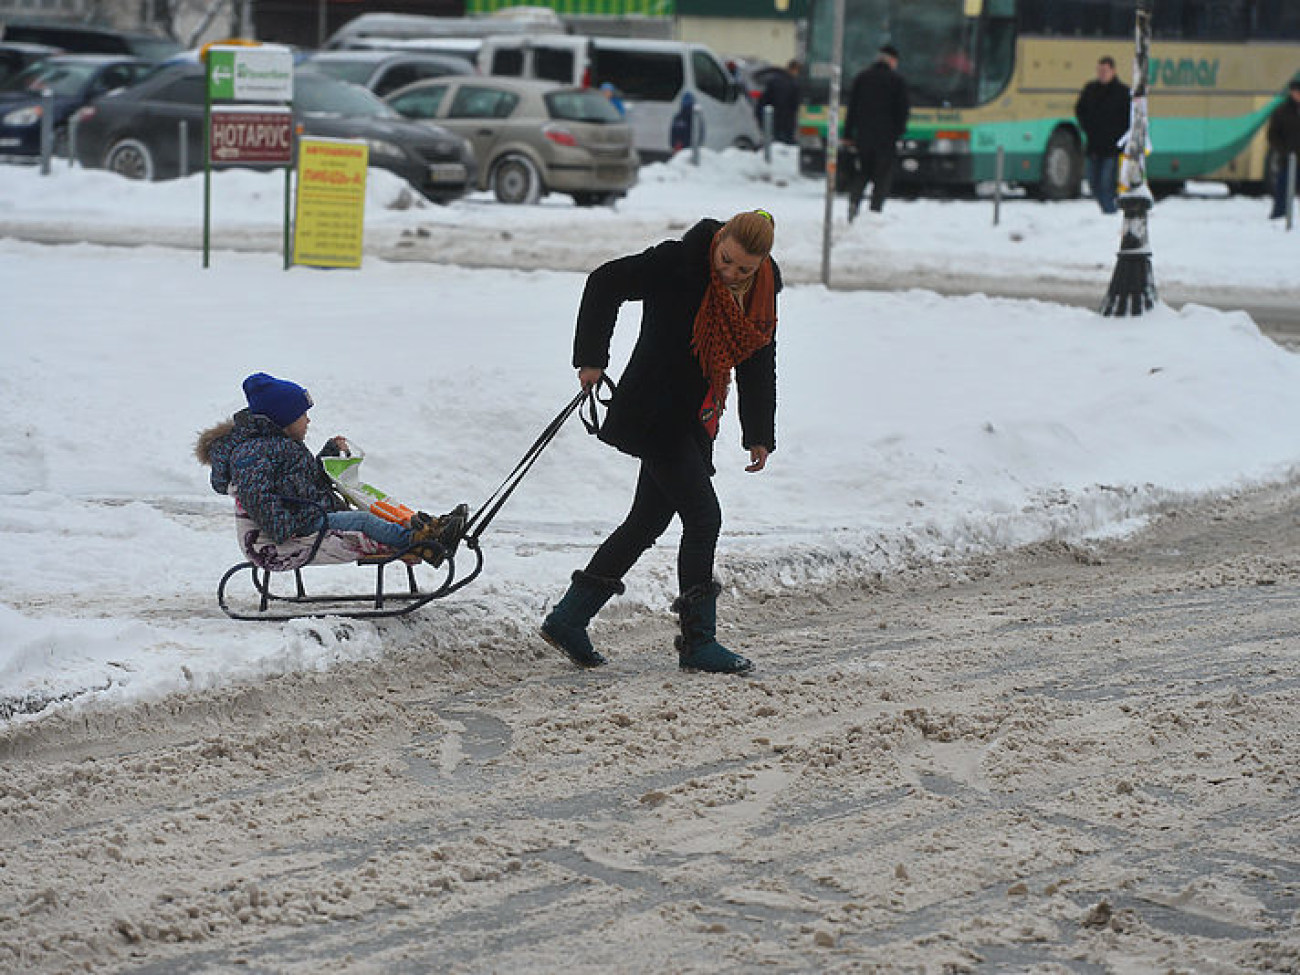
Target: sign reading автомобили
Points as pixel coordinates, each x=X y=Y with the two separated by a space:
x=251 y=73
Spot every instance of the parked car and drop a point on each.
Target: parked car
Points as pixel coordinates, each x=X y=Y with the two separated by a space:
x=651 y=76
x=88 y=39
x=17 y=55
x=385 y=71
x=134 y=132
x=74 y=79
x=531 y=137
x=752 y=74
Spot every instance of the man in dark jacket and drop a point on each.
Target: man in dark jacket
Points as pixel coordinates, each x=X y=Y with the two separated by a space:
x=1284 y=140
x=1103 y=114
x=782 y=93
x=875 y=121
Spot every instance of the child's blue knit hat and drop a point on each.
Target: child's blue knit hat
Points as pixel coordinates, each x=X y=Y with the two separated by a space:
x=278 y=399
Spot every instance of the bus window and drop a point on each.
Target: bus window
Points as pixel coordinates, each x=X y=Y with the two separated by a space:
x=997 y=58
x=1078 y=18
x=1273 y=20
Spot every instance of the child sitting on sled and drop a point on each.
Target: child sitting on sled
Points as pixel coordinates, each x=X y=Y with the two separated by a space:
x=260 y=457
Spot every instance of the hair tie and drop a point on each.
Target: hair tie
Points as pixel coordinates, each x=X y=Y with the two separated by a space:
x=770 y=218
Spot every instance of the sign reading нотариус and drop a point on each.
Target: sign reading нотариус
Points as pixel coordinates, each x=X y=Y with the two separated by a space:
x=251 y=134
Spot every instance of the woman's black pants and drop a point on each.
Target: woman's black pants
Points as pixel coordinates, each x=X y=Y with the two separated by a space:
x=679 y=482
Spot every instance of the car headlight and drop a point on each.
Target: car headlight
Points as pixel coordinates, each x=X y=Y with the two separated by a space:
x=382 y=147
x=23 y=116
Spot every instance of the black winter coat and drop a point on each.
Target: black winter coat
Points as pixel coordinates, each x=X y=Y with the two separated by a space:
x=878 y=107
x=782 y=93
x=660 y=392
x=1284 y=127
x=1103 y=114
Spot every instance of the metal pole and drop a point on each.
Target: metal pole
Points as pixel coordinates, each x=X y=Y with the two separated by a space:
x=207 y=159
x=697 y=133
x=322 y=22
x=1290 y=190
x=768 y=116
x=999 y=172
x=1133 y=285
x=288 y=199
x=72 y=139
x=184 y=154
x=47 y=130
x=832 y=138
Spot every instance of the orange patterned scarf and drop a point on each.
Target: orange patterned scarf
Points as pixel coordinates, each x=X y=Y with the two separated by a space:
x=725 y=335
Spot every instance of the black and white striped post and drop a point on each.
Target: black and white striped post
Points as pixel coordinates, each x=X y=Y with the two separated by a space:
x=1133 y=285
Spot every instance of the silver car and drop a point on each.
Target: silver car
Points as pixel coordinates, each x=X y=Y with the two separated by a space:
x=531 y=137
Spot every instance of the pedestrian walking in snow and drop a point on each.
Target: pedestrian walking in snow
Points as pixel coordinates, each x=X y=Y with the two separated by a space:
x=260 y=457
x=1284 y=141
x=708 y=307
x=874 y=122
x=1103 y=113
x=782 y=93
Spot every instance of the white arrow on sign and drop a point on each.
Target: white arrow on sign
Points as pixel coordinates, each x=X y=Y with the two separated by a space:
x=221 y=74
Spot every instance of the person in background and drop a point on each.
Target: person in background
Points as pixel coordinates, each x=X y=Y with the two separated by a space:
x=613 y=97
x=1284 y=141
x=708 y=309
x=876 y=119
x=782 y=93
x=681 y=135
x=1103 y=113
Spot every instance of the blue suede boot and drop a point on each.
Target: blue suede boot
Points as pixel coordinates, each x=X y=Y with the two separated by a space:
x=565 y=627
x=698 y=647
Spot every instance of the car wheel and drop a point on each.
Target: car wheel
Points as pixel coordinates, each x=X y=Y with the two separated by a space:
x=515 y=180
x=1062 y=167
x=744 y=143
x=130 y=158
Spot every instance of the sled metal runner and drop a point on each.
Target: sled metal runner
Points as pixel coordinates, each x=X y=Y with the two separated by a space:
x=377 y=604
x=380 y=602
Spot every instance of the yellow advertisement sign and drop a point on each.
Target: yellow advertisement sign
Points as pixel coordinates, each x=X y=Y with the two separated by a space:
x=329 y=219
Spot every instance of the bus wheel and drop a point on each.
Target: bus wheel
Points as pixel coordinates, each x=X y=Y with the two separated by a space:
x=1062 y=167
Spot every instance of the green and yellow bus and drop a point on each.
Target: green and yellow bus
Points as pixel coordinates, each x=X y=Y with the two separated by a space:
x=985 y=74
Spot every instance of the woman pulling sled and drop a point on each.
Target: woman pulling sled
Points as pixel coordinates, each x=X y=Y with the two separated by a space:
x=708 y=307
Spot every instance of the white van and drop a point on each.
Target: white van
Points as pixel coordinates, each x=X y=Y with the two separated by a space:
x=651 y=77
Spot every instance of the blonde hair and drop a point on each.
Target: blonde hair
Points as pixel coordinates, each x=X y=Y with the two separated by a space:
x=754 y=230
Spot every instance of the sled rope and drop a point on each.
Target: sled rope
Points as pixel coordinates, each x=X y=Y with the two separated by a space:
x=586 y=405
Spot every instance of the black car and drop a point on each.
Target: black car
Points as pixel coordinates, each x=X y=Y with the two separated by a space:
x=74 y=80
x=384 y=71
x=17 y=55
x=136 y=132
x=90 y=39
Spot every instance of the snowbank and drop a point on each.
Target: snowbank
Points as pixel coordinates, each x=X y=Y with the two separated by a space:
x=911 y=427
x=1203 y=240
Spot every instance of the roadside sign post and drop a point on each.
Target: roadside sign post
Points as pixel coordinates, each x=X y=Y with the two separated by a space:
x=1133 y=285
x=832 y=138
x=236 y=132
